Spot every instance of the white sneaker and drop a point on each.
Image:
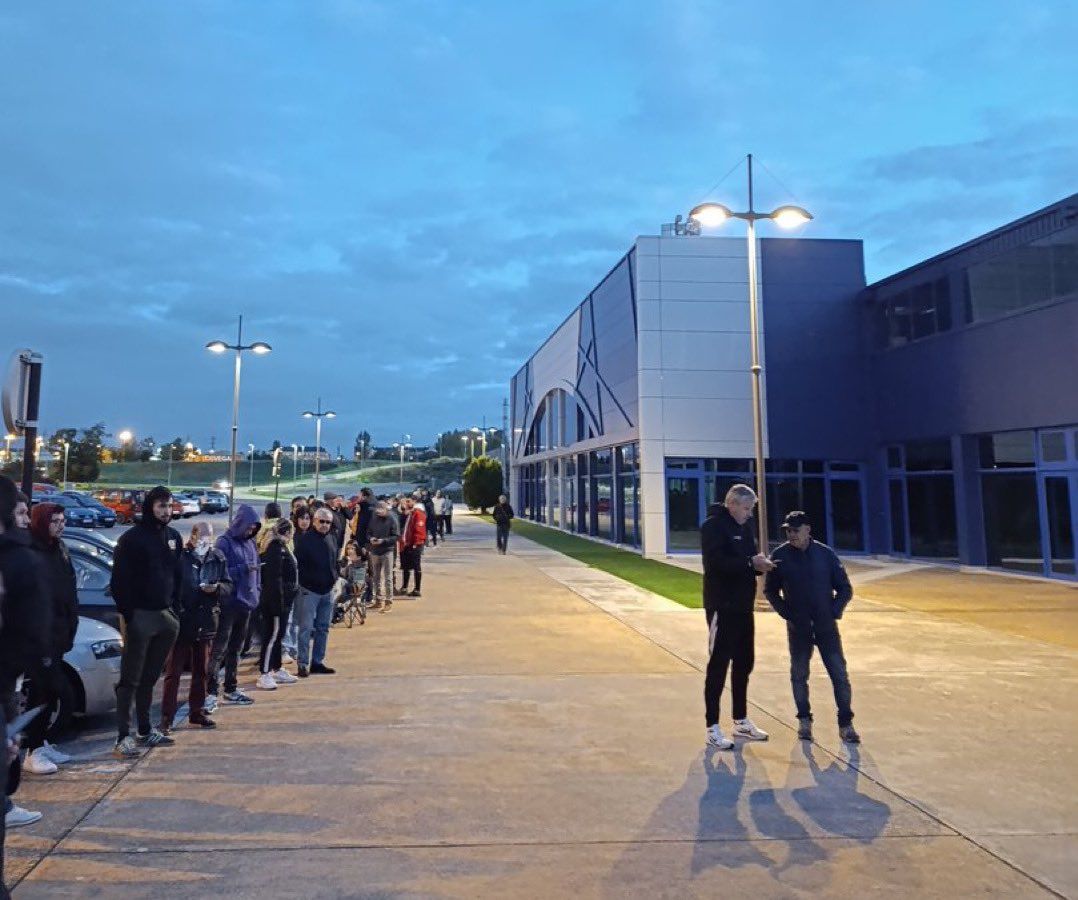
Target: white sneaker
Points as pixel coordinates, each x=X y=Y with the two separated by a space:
x=37 y=763
x=715 y=738
x=266 y=682
x=287 y=659
x=283 y=677
x=209 y=705
x=16 y=817
x=743 y=728
x=56 y=754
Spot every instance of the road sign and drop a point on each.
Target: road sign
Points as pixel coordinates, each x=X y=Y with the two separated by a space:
x=18 y=414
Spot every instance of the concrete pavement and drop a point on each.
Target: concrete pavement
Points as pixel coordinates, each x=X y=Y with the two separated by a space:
x=533 y=728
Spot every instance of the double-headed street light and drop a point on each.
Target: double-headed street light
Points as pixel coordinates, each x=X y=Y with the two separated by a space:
x=711 y=214
x=318 y=416
x=261 y=348
x=402 y=448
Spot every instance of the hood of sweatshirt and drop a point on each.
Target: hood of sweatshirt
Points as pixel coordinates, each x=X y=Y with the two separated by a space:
x=242 y=521
x=152 y=496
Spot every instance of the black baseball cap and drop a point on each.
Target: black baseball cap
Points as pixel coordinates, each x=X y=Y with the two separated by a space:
x=795 y=519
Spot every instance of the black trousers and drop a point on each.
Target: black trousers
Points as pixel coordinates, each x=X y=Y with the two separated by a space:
x=503 y=537
x=731 y=645
x=269 y=654
x=46 y=686
x=449 y=524
x=227 y=643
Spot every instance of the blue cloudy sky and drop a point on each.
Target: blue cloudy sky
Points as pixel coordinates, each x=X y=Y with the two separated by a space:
x=404 y=197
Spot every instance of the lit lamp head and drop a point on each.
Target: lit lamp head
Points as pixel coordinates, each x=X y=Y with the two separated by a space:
x=124 y=436
x=330 y=414
x=790 y=216
x=710 y=215
x=261 y=348
x=308 y=415
x=217 y=346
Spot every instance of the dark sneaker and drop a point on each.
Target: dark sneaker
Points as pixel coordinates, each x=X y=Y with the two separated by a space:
x=202 y=722
x=849 y=735
x=301 y=671
x=238 y=697
x=125 y=749
x=804 y=729
x=322 y=669
x=154 y=739
x=165 y=726
x=414 y=594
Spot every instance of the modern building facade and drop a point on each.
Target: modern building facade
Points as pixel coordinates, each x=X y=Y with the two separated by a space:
x=932 y=415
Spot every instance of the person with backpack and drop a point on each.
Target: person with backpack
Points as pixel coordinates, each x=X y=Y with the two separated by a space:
x=205 y=584
x=280 y=584
x=238 y=546
x=413 y=539
x=503 y=519
x=47 y=681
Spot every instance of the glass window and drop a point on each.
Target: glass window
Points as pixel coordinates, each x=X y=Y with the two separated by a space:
x=1060 y=527
x=1007 y=450
x=1054 y=446
x=894 y=457
x=924 y=311
x=814 y=505
x=729 y=465
x=601 y=462
x=928 y=456
x=89 y=575
x=555 y=495
x=812 y=466
x=846 y=515
x=897 y=499
x=783 y=496
x=844 y=467
x=932 y=518
x=683 y=512
x=900 y=320
x=942 y=299
x=627 y=503
x=604 y=507
x=1012 y=522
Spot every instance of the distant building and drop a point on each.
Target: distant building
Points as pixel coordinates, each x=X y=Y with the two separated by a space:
x=933 y=414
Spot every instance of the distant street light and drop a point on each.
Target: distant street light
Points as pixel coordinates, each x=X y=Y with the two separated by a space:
x=124 y=436
x=8 y=438
x=260 y=348
x=67 y=448
x=402 y=449
x=711 y=214
x=251 y=477
x=318 y=416
x=295 y=459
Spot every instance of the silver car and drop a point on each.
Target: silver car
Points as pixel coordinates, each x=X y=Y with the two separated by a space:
x=94 y=664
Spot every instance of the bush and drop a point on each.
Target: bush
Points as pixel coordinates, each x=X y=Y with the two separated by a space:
x=482 y=483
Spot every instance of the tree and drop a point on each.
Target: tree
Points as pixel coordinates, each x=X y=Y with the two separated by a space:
x=482 y=483
x=83 y=453
x=362 y=445
x=146 y=448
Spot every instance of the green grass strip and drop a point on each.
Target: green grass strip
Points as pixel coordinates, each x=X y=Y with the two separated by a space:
x=669 y=581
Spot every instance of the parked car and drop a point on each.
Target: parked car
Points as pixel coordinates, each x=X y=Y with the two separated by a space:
x=189 y=505
x=74 y=513
x=106 y=518
x=93 y=572
x=127 y=504
x=211 y=501
x=93 y=542
x=91 y=669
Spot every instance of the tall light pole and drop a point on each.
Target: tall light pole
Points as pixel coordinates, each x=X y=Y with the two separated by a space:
x=295 y=461
x=67 y=447
x=709 y=214
x=362 y=452
x=261 y=348
x=124 y=436
x=402 y=447
x=171 y=450
x=8 y=438
x=318 y=416
x=251 y=473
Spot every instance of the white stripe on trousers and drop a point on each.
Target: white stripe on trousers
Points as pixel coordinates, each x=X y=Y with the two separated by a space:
x=267 y=650
x=712 y=633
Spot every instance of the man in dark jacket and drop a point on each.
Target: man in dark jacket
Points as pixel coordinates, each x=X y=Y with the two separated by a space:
x=335 y=502
x=316 y=559
x=809 y=588
x=362 y=520
x=503 y=521
x=47 y=681
x=146 y=579
x=241 y=555
x=731 y=566
x=382 y=536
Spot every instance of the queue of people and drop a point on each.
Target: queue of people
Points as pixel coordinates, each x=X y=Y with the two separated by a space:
x=194 y=605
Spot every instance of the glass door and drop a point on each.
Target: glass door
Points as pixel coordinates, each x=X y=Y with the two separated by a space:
x=1059 y=493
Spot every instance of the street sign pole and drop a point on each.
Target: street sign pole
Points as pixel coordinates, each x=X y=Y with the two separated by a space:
x=21 y=406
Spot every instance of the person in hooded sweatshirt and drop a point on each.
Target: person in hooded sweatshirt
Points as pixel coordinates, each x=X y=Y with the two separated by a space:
x=280 y=584
x=47 y=681
x=24 y=637
x=205 y=584
x=241 y=554
x=146 y=579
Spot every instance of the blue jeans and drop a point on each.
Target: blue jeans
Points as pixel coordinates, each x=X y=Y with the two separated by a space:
x=314 y=612
x=803 y=638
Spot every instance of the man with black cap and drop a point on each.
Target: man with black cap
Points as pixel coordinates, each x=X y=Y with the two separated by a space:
x=146 y=580
x=809 y=588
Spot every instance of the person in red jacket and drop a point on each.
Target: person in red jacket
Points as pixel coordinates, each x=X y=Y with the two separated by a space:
x=412 y=542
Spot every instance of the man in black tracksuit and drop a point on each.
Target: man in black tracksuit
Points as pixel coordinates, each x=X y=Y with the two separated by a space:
x=809 y=588
x=731 y=566
x=146 y=580
x=503 y=521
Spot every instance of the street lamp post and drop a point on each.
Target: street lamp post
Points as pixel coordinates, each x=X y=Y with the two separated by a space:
x=124 y=437
x=171 y=450
x=295 y=461
x=402 y=447
x=8 y=438
x=67 y=448
x=251 y=473
x=708 y=214
x=318 y=416
x=259 y=347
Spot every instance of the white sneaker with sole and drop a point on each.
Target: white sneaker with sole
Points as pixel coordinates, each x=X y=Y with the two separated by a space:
x=56 y=754
x=37 y=763
x=266 y=682
x=743 y=728
x=16 y=817
x=283 y=677
x=715 y=738
x=209 y=705
x=287 y=659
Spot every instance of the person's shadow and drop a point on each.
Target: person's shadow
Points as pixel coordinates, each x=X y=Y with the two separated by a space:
x=721 y=837
x=834 y=802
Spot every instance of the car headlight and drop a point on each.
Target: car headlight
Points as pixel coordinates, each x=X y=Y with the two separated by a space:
x=109 y=649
